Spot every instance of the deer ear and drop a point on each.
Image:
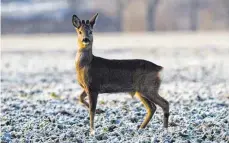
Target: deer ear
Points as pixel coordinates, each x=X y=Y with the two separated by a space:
x=76 y=21
x=93 y=20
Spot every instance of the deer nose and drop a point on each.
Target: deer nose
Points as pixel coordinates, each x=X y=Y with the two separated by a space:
x=86 y=40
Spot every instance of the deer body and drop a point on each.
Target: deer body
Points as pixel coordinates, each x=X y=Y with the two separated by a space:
x=112 y=76
x=99 y=75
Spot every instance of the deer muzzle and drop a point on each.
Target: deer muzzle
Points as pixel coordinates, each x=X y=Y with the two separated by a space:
x=86 y=41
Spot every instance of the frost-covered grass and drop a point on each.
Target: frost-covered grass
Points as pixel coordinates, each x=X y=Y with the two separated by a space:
x=39 y=97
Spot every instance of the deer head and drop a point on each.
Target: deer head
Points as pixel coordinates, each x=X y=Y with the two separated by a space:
x=84 y=30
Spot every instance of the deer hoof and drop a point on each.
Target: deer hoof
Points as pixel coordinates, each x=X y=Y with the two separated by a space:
x=92 y=132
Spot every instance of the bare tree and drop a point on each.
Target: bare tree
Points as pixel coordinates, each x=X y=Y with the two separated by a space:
x=75 y=5
x=194 y=11
x=151 y=14
x=121 y=4
x=226 y=4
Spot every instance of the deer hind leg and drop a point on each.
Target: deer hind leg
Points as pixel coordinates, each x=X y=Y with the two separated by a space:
x=152 y=89
x=164 y=104
x=83 y=95
x=150 y=108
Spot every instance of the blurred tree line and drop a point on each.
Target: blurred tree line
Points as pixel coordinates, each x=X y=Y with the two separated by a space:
x=54 y=16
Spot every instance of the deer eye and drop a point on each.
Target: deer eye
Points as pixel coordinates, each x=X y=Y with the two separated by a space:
x=80 y=32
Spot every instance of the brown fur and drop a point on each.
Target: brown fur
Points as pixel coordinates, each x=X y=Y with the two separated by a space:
x=98 y=75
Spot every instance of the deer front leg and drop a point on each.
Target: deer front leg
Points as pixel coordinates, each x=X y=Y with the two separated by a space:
x=150 y=108
x=92 y=108
x=82 y=99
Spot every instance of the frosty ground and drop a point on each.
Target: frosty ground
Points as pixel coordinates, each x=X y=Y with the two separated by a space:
x=39 y=92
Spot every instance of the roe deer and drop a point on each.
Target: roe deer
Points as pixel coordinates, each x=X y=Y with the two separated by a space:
x=98 y=75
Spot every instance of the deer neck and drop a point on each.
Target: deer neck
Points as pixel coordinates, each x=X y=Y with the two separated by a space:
x=84 y=56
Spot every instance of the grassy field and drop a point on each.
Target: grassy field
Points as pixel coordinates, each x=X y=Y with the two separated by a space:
x=39 y=92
